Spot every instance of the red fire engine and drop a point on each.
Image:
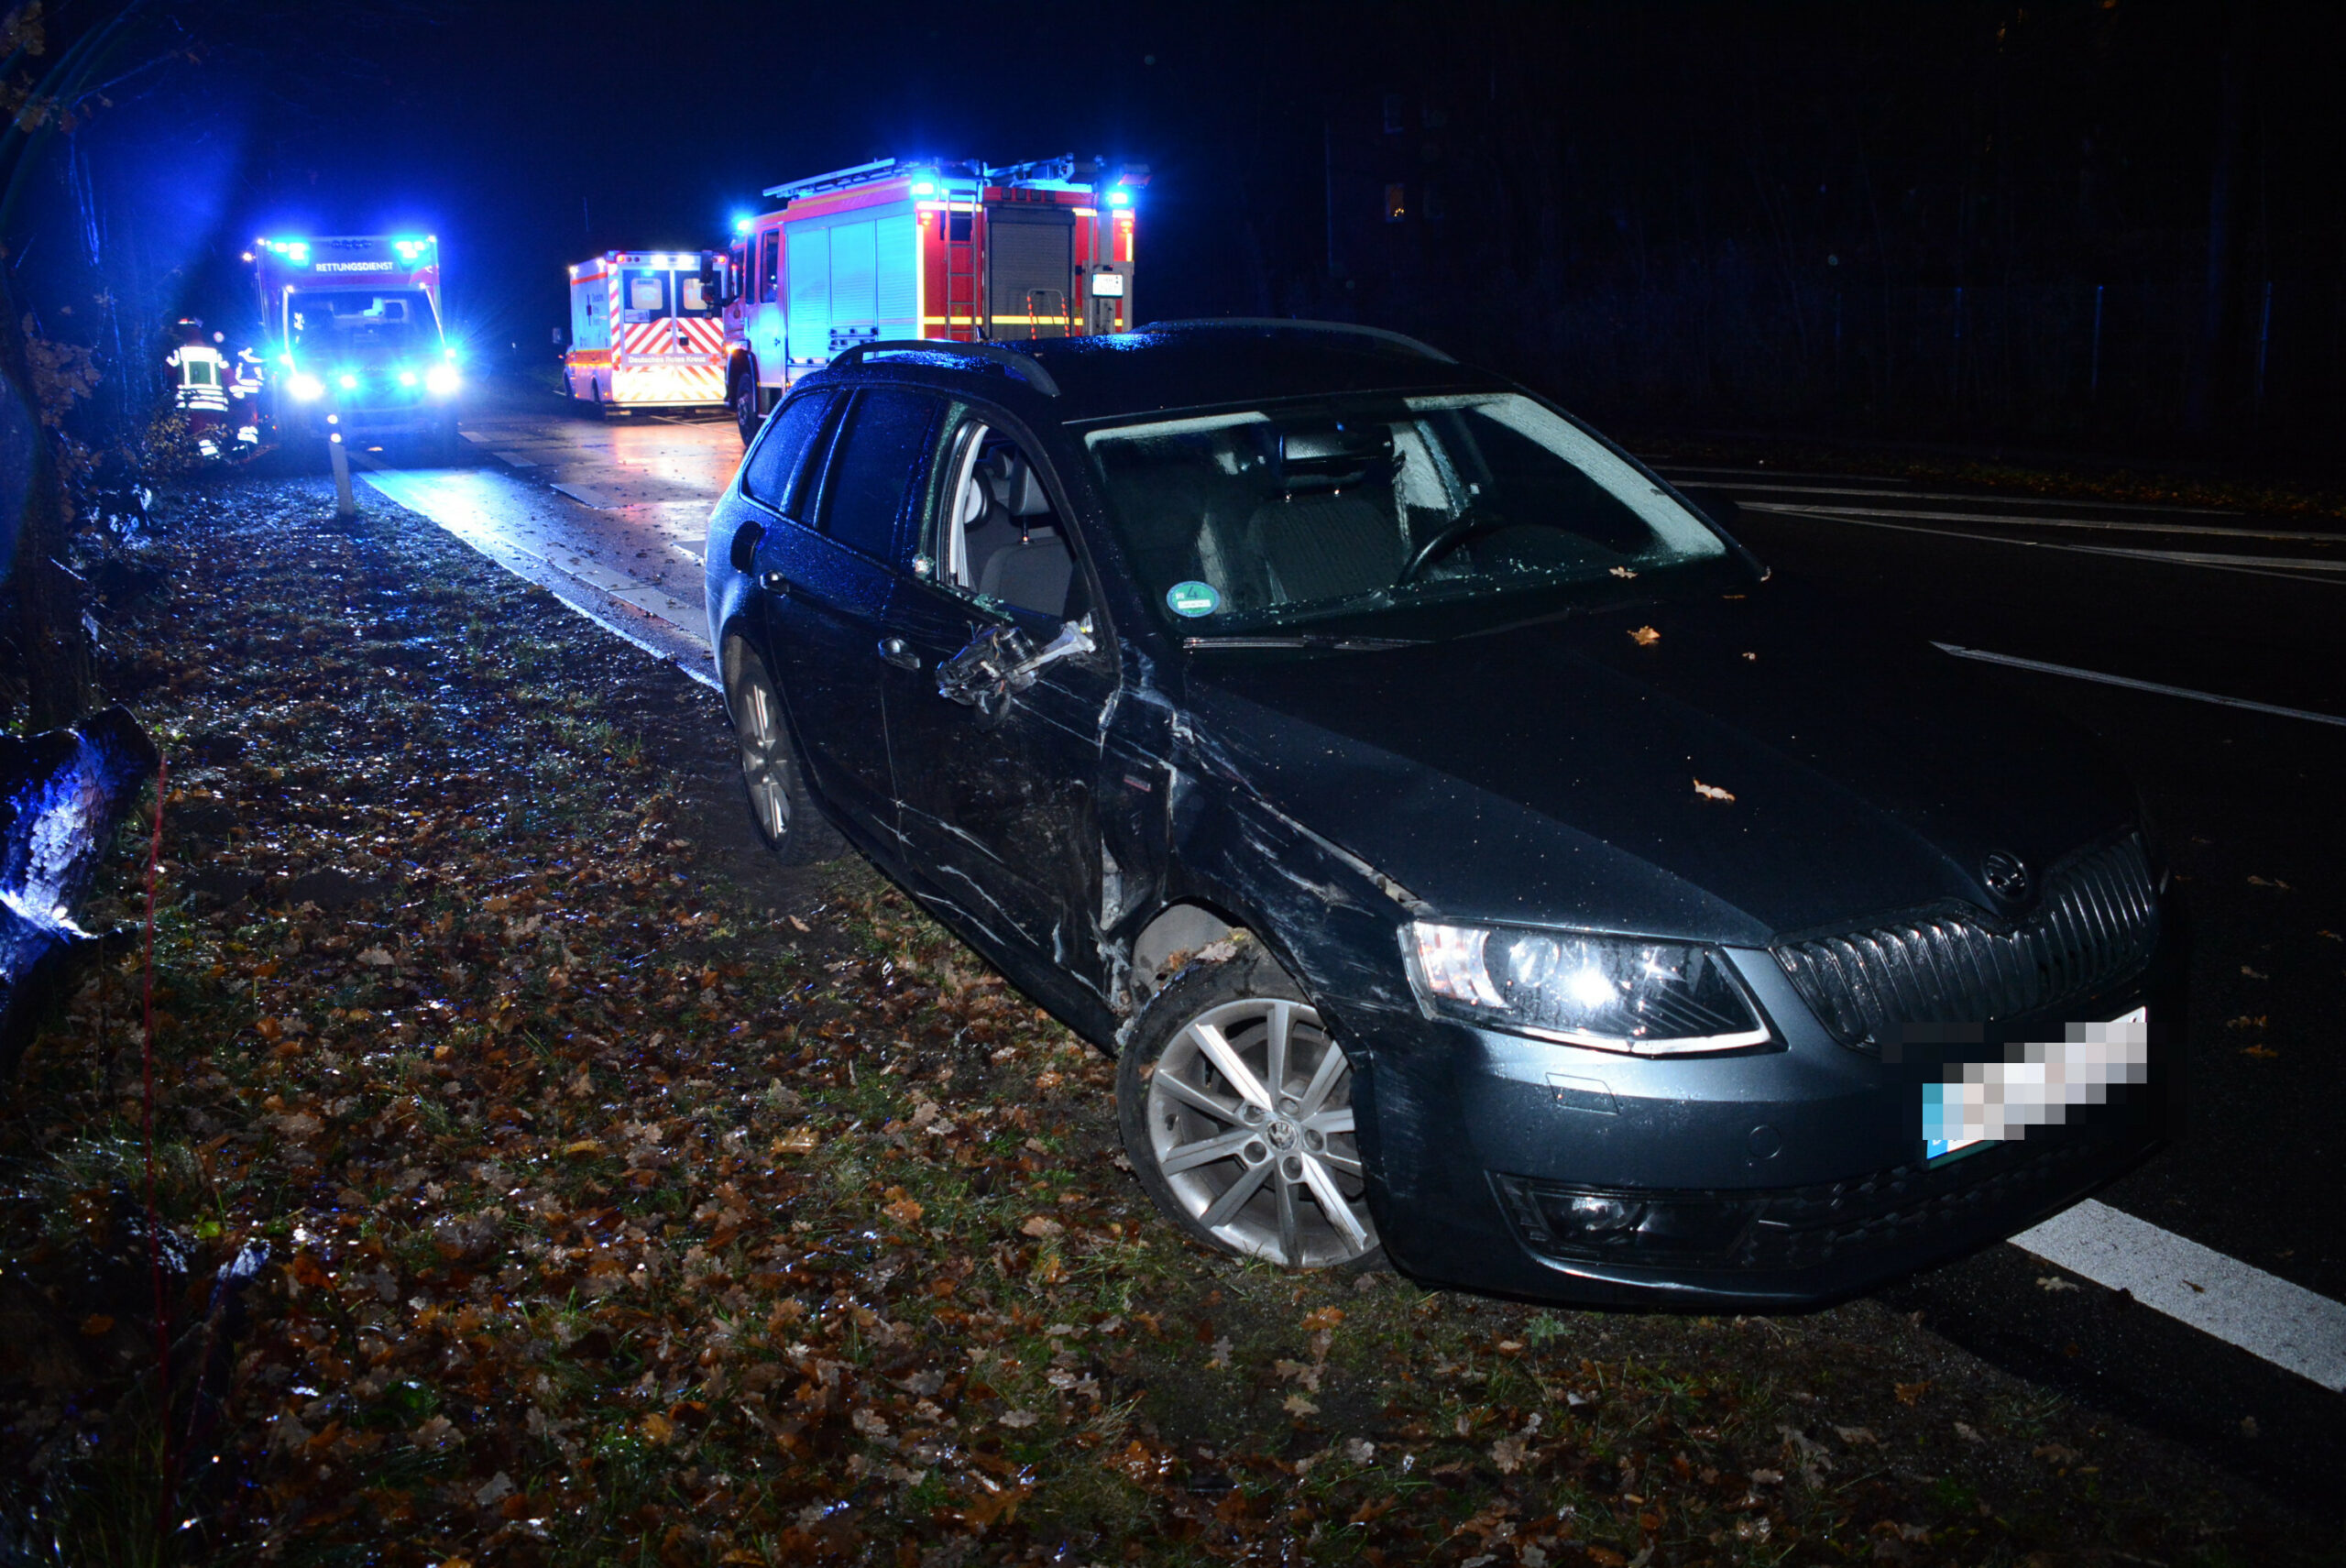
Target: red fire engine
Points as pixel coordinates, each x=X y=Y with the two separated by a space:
x=645 y=331
x=903 y=249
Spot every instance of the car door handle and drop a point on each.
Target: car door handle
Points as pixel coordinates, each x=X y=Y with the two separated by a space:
x=894 y=650
x=775 y=584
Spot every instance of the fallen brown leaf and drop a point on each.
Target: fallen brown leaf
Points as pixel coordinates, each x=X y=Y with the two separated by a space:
x=1712 y=792
x=1645 y=637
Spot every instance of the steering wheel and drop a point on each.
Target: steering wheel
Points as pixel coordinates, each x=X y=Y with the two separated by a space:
x=1467 y=525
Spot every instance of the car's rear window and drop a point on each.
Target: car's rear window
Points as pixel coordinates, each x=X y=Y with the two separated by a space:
x=777 y=469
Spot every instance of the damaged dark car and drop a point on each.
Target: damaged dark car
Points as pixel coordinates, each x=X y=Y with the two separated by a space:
x=1473 y=858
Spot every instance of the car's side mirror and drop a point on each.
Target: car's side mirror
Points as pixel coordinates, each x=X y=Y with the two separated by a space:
x=1002 y=661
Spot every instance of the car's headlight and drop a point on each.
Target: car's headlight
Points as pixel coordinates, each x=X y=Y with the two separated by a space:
x=1615 y=993
x=439 y=380
x=309 y=388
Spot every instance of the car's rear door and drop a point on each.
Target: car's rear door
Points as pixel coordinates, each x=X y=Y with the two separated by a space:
x=824 y=577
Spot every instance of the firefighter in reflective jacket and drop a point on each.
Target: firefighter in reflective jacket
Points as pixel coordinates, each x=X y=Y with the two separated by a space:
x=200 y=391
x=244 y=394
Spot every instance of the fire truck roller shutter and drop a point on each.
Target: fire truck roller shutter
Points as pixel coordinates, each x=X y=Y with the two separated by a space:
x=810 y=295
x=1031 y=251
x=896 y=303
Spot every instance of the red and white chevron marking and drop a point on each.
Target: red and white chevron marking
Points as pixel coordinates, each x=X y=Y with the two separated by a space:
x=687 y=335
x=671 y=383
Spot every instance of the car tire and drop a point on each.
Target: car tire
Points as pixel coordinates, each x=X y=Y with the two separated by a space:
x=746 y=414
x=1244 y=1164
x=772 y=778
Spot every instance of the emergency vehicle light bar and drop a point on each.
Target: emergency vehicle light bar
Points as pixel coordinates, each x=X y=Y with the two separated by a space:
x=1020 y=365
x=867 y=173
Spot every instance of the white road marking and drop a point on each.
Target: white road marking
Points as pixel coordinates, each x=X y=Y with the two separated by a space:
x=2208 y=530
x=2041 y=667
x=1747 y=481
x=2266 y=1316
x=2250 y=566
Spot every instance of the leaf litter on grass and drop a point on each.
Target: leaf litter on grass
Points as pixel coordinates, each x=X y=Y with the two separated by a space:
x=631 y=1200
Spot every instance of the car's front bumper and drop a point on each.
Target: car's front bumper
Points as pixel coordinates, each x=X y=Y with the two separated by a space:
x=1780 y=1179
x=385 y=420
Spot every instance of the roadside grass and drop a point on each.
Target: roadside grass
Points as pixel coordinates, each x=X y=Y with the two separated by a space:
x=629 y=1201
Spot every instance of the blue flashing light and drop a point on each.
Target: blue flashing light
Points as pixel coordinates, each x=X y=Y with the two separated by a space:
x=441 y=380
x=924 y=187
x=348 y=382
x=1120 y=198
x=741 y=224
x=407 y=377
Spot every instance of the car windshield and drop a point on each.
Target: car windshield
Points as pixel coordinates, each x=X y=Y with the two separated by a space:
x=1267 y=520
x=337 y=321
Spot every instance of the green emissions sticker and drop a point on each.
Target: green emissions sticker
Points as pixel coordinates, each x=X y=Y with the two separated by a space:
x=1193 y=599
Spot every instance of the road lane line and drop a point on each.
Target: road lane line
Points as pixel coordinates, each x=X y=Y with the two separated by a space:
x=2222 y=1297
x=2041 y=667
x=1747 y=484
x=2161 y=557
x=2202 y=530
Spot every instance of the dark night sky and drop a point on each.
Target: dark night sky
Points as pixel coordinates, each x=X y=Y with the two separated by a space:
x=1642 y=165
x=530 y=135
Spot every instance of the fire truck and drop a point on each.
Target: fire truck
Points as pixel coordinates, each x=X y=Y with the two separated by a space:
x=357 y=339
x=645 y=331
x=923 y=248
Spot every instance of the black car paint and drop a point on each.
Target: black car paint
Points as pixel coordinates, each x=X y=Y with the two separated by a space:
x=1323 y=799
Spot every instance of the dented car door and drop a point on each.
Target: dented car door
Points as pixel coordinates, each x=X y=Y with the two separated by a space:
x=997 y=787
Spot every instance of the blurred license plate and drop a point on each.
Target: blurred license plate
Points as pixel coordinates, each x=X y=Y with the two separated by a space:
x=1987 y=1102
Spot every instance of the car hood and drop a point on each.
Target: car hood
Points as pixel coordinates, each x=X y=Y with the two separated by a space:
x=1730 y=770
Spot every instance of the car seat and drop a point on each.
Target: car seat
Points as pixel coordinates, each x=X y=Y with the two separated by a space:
x=1015 y=549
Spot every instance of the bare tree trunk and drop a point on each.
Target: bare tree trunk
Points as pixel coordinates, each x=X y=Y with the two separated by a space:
x=48 y=602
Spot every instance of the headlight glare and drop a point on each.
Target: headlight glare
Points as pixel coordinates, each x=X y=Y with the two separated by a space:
x=307 y=387
x=1614 y=993
x=440 y=379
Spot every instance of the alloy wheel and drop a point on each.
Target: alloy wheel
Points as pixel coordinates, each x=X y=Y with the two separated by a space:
x=765 y=755
x=1250 y=1118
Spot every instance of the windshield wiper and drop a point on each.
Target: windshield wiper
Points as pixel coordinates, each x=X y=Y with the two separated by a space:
x=1306 y=639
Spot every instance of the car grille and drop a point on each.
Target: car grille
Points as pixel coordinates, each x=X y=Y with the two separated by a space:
x=1954 y=963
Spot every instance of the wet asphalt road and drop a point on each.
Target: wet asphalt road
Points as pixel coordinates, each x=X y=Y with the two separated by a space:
x=2234 y=607
x=2230 y=606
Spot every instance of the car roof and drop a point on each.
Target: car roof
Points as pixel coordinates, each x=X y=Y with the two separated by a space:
x=1179 y=365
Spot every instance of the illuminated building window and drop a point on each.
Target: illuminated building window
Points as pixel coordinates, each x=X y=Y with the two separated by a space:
x=1395 y=205
x=1395 y=120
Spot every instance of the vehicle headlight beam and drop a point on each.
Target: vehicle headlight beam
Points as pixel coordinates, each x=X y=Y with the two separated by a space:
x=1612 y=993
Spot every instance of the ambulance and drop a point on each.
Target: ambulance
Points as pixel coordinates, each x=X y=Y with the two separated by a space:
x=646 y=330
x=357 y=338
x=923 y=248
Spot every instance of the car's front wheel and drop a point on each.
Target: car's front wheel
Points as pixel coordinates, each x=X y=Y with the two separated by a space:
x=773 y=779
x=1235 y=1104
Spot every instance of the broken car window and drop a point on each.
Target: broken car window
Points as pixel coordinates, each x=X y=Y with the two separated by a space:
x=1278 y=516
x=994 y=533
